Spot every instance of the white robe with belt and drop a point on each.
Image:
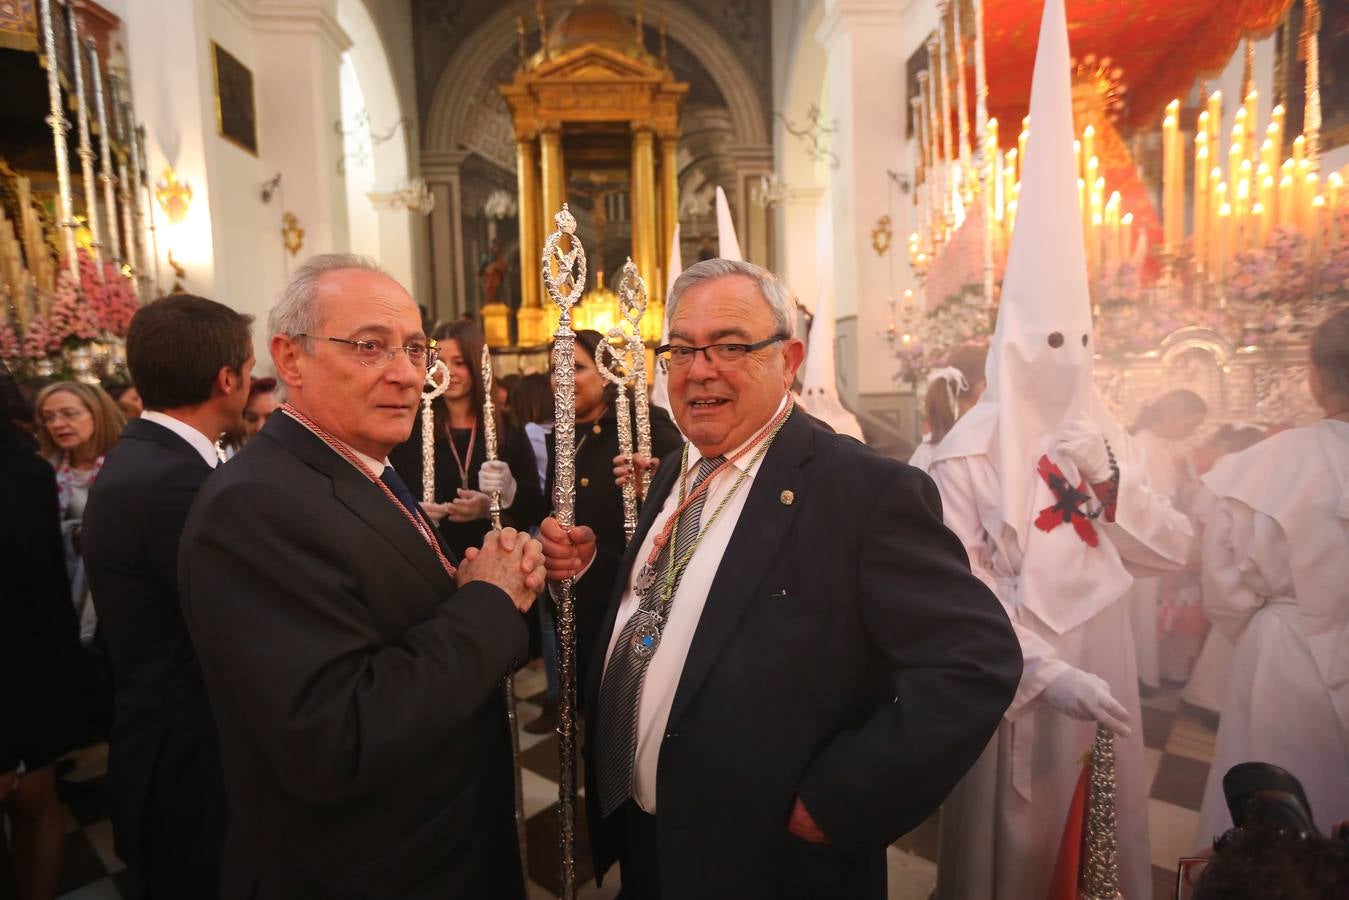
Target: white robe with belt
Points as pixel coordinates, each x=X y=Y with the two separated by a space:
x=1002 y=826
x=1276 y=572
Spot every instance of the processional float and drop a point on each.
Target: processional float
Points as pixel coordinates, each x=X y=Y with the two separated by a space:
x=624 y=365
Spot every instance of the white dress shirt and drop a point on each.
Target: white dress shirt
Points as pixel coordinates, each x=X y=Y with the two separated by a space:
x=666 y=667
x=200 y=442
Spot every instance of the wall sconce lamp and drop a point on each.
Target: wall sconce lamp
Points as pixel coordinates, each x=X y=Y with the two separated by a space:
x=174 y=196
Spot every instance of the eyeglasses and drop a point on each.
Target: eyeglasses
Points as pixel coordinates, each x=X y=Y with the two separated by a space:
x=723 y=356
x=376 y=355
x=73 y=414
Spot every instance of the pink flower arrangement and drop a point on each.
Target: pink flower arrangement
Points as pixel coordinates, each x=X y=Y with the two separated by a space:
x=111 y=299
x=39 y=340
x=72 y=321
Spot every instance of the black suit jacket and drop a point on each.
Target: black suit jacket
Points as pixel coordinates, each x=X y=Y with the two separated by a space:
x=164 y=759
x=357 y=691
x=845 y=654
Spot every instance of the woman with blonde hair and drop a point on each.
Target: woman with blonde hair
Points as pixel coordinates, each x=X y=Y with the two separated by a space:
x=77 y=424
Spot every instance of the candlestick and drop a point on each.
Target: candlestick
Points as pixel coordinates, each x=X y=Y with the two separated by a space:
x=1201 y=197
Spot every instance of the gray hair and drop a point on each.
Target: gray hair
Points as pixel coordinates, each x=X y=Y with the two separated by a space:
x=296 y=311
x=780 y=300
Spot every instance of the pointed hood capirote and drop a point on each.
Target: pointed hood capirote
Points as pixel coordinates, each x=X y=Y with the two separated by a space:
x=728 y=245
x=819 y=390
x=1040 y=358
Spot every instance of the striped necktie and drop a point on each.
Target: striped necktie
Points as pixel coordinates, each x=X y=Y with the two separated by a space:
x=621 y=689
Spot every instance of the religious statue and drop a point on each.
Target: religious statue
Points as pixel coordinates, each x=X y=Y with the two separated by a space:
x=491 y=273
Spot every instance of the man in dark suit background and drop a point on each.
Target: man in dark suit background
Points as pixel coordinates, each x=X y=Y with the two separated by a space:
x=354 y=671
x=190 y=359
x=808 y=667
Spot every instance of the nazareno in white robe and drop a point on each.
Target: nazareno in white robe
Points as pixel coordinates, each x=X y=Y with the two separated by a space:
x=1001 y=827
x=1276 y=572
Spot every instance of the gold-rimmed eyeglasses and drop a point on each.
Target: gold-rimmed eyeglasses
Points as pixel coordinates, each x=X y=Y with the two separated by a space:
x=376 y=354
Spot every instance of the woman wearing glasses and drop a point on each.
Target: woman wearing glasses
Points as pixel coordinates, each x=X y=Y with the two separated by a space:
x=464 y=477
x=77 y=424
x=599 y=499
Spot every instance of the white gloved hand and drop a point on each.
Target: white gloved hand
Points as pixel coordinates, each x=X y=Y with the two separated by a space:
x=1084 y=696
x=495 y=476
x=1080 y=440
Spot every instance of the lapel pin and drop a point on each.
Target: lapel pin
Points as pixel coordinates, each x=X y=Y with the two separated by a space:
x=787 y=498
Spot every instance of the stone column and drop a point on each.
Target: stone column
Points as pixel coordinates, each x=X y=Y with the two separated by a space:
x=860 y=38
x=645 y=223
x=441 y=171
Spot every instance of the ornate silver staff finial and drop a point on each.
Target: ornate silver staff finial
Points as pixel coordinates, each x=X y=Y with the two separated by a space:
x=632 y=300
x=437 y=381
x=1101 y=868
x=564 y=275
x=619 y=360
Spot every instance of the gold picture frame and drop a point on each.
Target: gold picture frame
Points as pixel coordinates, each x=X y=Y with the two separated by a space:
x=236 y=112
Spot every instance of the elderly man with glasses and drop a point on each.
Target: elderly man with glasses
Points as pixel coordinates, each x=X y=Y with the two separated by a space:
x=799 y=663
x=353 y=665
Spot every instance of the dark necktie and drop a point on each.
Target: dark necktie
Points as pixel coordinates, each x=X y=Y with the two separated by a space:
x=621 y=689
x=400 y=490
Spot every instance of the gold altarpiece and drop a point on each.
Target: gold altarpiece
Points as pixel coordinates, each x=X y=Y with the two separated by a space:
x=592 y=107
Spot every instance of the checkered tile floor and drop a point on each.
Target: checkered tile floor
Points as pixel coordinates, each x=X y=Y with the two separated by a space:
x=1179 y=748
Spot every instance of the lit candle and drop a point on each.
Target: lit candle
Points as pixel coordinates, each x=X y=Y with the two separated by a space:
x=1275 y=130
x=1022 y=138
x=1287 y=214
x=1201 y=192
x=1318 y=211
x=1010 y=171
x=1127 y=234
x=1222 y=238
x=1266 y=204
x=1089 y=142
x=1170 y=170
x=1077 y=158
x=1251 y=110
x=1215 y=118
x=1236 y=152
x=1311 y=192
x=1241 y=204
x=1216 y=246
x=1299 y=149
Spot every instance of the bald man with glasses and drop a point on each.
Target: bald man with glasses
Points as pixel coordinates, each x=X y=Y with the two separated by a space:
x=354 y=666
x=798 y=663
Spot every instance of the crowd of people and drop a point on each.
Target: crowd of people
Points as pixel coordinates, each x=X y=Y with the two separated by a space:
x=297 y=663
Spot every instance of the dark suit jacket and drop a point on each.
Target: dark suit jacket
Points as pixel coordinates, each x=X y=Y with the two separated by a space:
x=164 y=758
x=45 y=711
x=364 y=738
x=845 y=654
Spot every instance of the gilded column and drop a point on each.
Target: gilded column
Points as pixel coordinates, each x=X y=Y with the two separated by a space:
x=644 y=224
x=531 y=320
x=554 y=181
x=669 y=203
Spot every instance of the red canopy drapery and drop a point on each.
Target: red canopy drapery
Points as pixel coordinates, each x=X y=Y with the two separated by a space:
x=1162 y=46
